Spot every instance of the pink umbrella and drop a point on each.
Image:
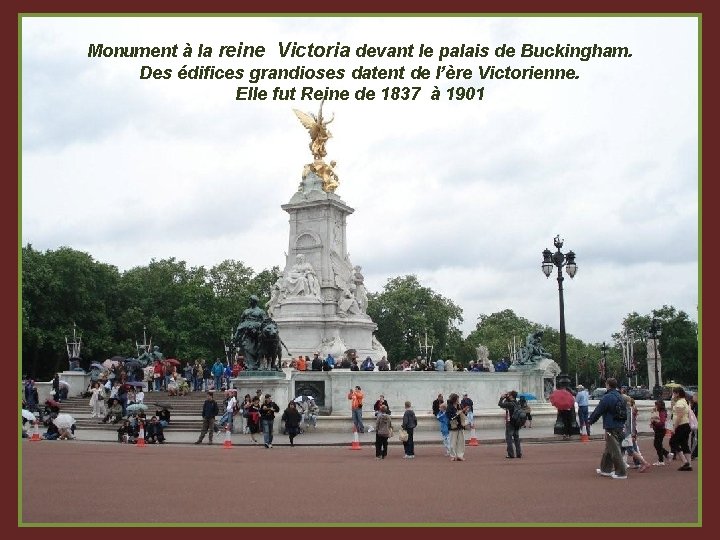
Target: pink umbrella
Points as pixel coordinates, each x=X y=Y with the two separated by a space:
x=562 y=400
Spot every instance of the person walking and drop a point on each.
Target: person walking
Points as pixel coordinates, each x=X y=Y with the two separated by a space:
x=658 y=418
x=612 y=463
x=292 y=418
x=409 y=423
x=209 y=412
x=629 y=444
x=508 y=401
x=679 y=441
x=252 y=415
x=383 y=427
x=356 y=396
x=582 y=398
x=444 y=427
x=457 y=429
x=267 y=418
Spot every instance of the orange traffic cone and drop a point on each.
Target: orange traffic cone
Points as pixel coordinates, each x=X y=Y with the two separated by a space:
x=356 y=441
x=584 y=437
x=228 y=440
x=141 y=436
x=36 y=433
x=473 y=439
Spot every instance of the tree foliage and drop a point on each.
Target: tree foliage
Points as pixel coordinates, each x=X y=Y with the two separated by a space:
x=189 y=312
x=405 y=312
x=677 y=344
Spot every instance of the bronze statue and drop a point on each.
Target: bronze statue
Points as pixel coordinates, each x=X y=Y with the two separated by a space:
x=257 y=337
x=533 y=350
x=317 y=127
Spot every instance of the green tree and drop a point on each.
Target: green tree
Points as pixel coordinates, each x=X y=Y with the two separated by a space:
x=678 y=343
x=405 y=311
x=497 y=331
x=59 y=288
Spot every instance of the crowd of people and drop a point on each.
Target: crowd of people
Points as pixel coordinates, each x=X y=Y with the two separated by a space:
x=349 y=361
x=619 y=417
x=256 y=415
x=110 y=402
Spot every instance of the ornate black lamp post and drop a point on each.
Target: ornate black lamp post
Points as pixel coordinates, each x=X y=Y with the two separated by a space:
x=559 y=260
x=654 y=332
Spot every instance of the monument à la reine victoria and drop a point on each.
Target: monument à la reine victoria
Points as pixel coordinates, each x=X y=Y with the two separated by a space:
x=320 y=302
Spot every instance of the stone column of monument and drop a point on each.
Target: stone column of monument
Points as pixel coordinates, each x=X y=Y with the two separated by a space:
x=320 y=302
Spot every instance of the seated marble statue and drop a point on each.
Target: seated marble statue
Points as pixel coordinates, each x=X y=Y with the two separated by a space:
x=301 y=280
x=347 y=305
x=360 y=291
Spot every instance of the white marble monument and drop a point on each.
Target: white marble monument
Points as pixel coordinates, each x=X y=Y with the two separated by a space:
x=320 y=302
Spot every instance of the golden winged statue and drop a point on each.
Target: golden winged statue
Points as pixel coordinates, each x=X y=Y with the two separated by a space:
x=317 y=127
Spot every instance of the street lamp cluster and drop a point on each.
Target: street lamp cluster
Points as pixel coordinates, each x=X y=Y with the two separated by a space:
x=560 y=260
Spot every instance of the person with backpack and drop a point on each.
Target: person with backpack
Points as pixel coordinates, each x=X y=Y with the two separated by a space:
x=613 y=411
x=515 y=418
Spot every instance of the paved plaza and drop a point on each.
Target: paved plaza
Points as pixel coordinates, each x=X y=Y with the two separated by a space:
x=328 y=482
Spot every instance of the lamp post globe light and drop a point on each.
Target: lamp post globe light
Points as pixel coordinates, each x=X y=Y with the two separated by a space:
x=560 y=260
x=654 y=332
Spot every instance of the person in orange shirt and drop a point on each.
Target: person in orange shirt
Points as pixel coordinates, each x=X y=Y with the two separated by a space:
x=301 y=365
x=356 y=396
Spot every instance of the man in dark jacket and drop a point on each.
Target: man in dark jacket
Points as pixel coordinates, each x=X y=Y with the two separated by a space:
x=612 y=462
x=317 y=363
x=209 y=412
x=509 y=402
x=268 y=408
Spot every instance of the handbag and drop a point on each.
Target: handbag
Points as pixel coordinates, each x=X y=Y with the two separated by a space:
x=692 y=420
x=390 y=432
x=463 y=419
x=403 y=435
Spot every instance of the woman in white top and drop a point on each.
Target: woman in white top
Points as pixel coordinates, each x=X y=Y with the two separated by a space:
x=679 y=441
x=97 y=401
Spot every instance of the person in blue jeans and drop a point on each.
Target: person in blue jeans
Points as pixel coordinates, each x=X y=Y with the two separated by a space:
x=267 y=418
x=217 y=370
x=409 y=423
x=582 y=400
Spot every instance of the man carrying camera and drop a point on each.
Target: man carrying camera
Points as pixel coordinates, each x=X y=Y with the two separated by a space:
x=508 y=401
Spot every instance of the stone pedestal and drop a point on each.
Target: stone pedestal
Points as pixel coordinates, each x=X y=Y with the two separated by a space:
x=270 y=382
x=325 y=311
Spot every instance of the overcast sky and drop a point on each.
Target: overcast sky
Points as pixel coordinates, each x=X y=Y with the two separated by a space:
x=464 y=194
